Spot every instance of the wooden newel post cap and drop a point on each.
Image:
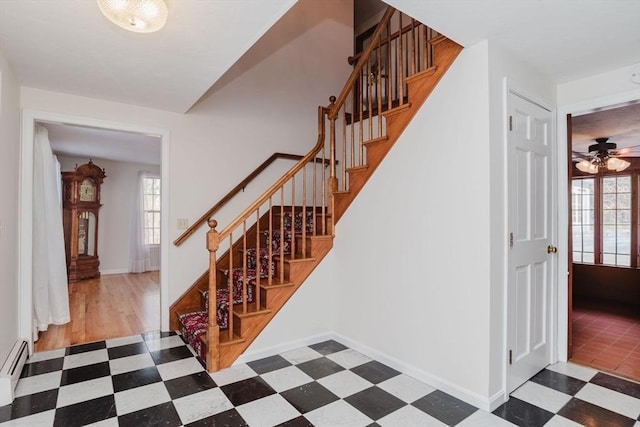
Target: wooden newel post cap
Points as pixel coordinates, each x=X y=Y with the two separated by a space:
x=332 y=99
x=213 y=238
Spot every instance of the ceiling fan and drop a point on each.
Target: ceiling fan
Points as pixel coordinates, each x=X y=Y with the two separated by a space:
x=604 y=154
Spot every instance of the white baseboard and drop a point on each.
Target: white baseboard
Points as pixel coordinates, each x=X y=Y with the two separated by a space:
x=486 y=403
x=123 y=271
x=468 y=396
x=114 y=271
x=281 y=348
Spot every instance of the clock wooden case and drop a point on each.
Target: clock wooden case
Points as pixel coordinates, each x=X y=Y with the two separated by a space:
x=81 y=208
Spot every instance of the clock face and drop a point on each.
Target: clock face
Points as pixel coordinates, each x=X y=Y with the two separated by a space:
x=88 y=191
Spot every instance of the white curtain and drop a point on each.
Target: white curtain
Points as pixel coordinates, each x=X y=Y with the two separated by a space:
x=139 y=255
x=50 y=294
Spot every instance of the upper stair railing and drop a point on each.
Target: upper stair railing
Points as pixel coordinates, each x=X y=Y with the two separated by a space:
x=399 y=48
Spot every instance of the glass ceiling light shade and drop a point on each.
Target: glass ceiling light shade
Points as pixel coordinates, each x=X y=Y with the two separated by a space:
x=616 y=164
x=611 y=163
x=139 y=16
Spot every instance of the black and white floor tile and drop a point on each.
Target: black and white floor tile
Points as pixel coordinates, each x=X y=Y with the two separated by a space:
x=154 y=379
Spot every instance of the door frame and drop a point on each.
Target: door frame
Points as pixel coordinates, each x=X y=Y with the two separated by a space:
x=508 y=90
x=562 y=163
x=25 y=232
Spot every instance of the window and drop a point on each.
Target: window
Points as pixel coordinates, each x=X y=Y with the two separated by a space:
x=616 y=220
x=604 y=219
x=151 y=188
x=583 y=219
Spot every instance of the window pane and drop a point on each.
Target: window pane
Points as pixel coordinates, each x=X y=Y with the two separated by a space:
x=624 y=260
x=609 y=185
x=583 y=217
x=609 y=238
x=609 y=217
x=624 y=201
x=624 y=240
x=609 y=259
x=623 y=184
x=609 y=201
x=151 y=201
x=616 y=229
x=624 y=217
x=148 y=202
x=577 y=257
x=588 y=257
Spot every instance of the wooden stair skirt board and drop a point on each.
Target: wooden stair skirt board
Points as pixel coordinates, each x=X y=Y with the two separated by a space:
x=190 y=313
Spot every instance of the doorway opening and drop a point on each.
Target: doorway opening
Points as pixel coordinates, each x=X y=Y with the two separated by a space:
x=604 y=285
x=113 y=268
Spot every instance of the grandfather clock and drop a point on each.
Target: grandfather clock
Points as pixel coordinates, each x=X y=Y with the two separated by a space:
x=81 y=206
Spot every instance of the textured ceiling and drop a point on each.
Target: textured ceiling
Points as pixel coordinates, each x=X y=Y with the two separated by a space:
x=621 y=125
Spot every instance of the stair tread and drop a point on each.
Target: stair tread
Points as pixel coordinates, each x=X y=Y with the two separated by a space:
x=397 y=110
x=376 y=140
x=421 y=74
x=226 y=340
x=358 y=168
x=252 y=310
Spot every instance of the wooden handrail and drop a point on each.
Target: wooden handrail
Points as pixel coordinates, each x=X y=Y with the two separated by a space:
x=240 y=187
x=283 y=180
x=355 y=74
x=391 y=37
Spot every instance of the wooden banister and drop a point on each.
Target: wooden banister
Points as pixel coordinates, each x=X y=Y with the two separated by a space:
x=357 y=69
x=310 y=157
x=237 y=189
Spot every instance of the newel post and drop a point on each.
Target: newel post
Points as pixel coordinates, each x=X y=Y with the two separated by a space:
x=213 y=331
x=333 y=179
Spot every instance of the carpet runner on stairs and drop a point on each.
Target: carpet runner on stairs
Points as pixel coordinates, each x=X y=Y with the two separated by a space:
x=194 y=325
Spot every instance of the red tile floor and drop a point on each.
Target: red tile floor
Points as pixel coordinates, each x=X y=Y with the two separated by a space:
x=607 y=336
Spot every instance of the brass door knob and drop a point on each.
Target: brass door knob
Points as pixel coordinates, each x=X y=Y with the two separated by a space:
x=551 y=249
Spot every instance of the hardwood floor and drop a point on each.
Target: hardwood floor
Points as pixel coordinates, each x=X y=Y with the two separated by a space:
x=112 y=306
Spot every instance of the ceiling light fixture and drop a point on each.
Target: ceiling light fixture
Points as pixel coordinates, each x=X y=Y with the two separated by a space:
x=139 y=16
x=602 y=158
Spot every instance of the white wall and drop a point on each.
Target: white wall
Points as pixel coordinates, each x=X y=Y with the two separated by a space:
x=412 y=252
x=609 y=85
x=117 y=195
x=9 y=163
x=267 y=103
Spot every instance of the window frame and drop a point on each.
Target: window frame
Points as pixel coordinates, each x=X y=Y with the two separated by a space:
x=634 y=173
x=152 y=211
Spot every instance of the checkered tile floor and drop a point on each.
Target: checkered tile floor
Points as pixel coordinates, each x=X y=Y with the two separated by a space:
x=154 y=379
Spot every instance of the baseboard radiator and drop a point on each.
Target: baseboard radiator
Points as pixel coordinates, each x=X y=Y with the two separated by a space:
x=11 y=370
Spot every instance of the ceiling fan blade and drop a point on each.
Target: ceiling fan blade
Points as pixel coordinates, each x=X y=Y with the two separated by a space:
x=584 y=156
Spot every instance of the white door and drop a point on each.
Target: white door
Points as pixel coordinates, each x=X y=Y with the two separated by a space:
x=530 y=224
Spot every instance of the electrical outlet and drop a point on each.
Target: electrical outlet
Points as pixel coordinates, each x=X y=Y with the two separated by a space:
x=183 y=223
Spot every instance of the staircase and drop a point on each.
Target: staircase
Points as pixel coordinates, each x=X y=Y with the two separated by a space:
x=259 y=260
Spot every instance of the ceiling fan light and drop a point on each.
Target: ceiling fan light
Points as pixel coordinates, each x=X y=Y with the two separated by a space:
x=584 y=166
x=623 y=165
x=139 y=16
x=613 y=163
